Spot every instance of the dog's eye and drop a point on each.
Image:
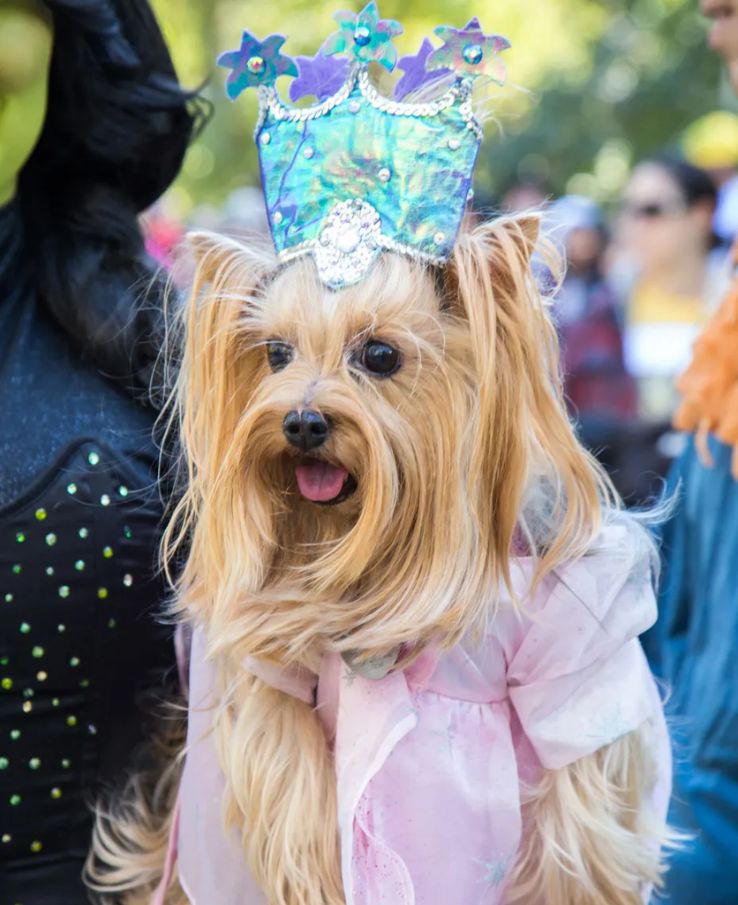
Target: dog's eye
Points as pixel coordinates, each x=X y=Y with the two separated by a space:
x=279 y=354
x=380 y=358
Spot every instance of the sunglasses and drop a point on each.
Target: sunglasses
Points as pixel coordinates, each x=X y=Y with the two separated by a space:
x=653 y=210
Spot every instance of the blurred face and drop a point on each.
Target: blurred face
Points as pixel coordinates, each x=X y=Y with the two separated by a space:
x=724 y=32
x=657 y=227
x=25 y=57
x=583 y=248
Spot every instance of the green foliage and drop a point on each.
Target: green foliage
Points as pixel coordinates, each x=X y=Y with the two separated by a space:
x=593 y=85
x=650 y=75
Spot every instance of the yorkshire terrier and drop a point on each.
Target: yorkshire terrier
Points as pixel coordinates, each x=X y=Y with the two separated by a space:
x=415 y=675
x=371 y=470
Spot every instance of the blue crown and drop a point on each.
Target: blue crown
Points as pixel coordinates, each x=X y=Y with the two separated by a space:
x=359 y=172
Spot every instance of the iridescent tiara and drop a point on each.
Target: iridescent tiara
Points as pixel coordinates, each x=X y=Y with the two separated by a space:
x=359 y=173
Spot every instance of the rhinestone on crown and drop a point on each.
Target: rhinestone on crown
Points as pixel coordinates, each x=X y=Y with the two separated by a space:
x=349 y=242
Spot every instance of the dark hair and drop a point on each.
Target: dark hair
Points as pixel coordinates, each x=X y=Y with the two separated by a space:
x=116 y=131
x=695 y=184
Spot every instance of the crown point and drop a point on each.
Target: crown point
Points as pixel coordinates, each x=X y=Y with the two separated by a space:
x=364 y=37
x=321 y=76
x=469 y=52
x=416 y=75
x=255 y=63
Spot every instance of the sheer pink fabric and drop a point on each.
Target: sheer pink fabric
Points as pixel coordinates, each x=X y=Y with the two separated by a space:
x=429 y=761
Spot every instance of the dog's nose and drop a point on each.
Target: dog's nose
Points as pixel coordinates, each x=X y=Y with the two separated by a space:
x=306 y=429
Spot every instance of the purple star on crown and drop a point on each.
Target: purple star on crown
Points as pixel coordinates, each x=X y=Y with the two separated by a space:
x=255 y=63
x=470 y=52
x=320 y=76
x=416 y=75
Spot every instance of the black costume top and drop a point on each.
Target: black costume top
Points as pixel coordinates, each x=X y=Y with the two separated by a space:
x=79 y=527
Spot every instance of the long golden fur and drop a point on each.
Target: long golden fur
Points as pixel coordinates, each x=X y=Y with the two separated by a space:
x=463 y=458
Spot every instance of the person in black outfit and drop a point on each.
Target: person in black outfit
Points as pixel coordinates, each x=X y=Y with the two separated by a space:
x=79 y=507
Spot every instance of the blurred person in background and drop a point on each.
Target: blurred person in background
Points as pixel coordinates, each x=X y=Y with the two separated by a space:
x=711 y=142
x=526 y=195
x=599 y=391
x=93 y=128
x=693 y=645
x=666 y=238
x=598 y=388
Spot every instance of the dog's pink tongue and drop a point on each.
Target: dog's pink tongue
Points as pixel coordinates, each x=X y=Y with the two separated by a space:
x=319 y=481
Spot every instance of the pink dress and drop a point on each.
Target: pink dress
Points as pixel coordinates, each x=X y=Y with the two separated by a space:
x=429 y=761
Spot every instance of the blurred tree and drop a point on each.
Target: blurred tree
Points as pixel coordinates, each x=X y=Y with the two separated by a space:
x=592 y=86
x=650 y=75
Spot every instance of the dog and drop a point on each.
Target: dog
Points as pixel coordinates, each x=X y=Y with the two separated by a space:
x=366 y=468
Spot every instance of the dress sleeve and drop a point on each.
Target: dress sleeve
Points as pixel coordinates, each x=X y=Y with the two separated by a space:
x=578 y=679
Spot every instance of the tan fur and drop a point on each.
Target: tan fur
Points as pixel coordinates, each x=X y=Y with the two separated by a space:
x=461 y=458
x=279 y=770
x=132 y=828
x=592 y=839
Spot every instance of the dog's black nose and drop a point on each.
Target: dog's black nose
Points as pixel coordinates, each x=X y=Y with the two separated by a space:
x=306 y=429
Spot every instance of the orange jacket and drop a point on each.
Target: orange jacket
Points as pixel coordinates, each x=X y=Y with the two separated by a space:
x=709 y=387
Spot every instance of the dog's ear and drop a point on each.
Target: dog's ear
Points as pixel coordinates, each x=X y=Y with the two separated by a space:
x=522 y=427
x=488 y=285
x=212 y=252
x=214 y=376
x=524 y=231
x=219 y=370
x=490 y=256
x=489 y=282
x=530 y=228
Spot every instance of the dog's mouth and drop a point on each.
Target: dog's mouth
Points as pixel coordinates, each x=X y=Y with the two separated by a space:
x=322 y=482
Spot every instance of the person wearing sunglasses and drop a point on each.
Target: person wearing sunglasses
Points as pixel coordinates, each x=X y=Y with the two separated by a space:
x=693 y=645
x=666 y=236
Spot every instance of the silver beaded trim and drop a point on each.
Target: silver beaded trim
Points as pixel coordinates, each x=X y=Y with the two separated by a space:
x=466 y=108
x=398 y=108
x=269 y=102
x=384 y=243
x=409 y=252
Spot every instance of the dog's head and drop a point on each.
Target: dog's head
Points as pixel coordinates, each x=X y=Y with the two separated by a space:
x=359 y=459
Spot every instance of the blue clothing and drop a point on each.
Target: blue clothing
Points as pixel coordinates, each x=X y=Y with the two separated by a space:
x=694 y=649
